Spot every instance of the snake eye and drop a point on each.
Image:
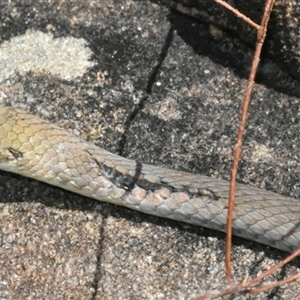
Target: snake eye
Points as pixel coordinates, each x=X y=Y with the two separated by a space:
x=16 y=154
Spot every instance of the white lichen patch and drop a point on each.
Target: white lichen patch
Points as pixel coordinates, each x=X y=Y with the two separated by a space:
x=166 y=110
x=261 y=153
x=40 y=53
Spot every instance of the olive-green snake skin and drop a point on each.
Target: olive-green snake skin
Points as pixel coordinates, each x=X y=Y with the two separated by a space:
x=35 y=148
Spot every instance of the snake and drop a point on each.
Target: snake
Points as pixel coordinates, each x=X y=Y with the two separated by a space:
x=35 y=148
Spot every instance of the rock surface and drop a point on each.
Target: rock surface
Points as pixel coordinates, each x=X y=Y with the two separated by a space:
x=153 y=96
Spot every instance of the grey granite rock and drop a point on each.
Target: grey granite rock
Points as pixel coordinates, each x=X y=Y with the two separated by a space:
x=149 y=96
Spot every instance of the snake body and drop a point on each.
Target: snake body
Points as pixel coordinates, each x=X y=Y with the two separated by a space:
x=35 y=148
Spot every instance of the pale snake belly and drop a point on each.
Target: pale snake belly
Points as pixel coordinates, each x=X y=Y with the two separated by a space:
x=35 y=148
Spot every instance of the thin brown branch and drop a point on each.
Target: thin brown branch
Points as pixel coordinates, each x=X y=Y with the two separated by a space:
x=274 y=268
x=248 y=285
x=272 y=285
x=251 y=285
x=238 y=14
x=237 y=153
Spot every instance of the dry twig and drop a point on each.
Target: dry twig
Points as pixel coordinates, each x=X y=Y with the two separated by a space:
x=261 y=34
x=250 y=286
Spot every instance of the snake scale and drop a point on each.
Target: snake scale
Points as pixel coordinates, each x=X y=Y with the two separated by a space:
x=35 y=148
